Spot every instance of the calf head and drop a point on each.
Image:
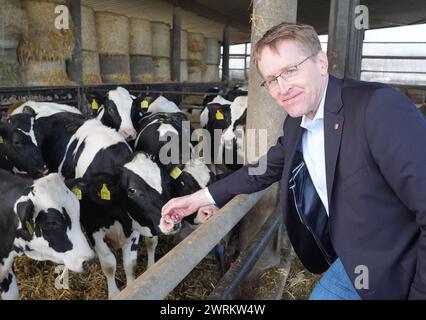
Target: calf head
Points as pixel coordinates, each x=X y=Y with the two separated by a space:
x=147 y=193
x=114 y=110
x=19 y=139
x=49 y=228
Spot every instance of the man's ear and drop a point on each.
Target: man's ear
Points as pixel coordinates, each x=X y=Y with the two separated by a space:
x=323 y=60
x=25 y=211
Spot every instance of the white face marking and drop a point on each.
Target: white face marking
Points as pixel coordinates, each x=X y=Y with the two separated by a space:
x=96 y=137
x=148 y=170
x=46 y=109
x=161 y=104
x=30 y=133
x=50 y=192
x=197 y=169
x=123 y=101
x=165 y=128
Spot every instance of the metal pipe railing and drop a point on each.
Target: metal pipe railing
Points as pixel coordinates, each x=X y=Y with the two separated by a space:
x=170 y=270
x=229 y=284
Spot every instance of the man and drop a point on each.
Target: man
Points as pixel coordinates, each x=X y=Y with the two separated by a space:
x=352 y=166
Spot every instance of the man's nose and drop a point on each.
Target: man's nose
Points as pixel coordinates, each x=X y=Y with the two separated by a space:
x=283 y=85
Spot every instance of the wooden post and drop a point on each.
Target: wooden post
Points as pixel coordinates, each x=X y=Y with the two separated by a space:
x=176 y=49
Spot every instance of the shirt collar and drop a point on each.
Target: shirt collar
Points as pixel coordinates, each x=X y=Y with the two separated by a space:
x=306 y=122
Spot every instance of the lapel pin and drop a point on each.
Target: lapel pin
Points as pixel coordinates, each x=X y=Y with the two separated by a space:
x=336 y=126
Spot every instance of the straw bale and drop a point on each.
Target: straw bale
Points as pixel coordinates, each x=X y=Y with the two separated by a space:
x=115 y=68
x=211 y=73
x=88 y=29
x=161 y=39
x=196 y=42
x=91 y=68
x=212 y=52
x=46 y=73
x=141 y=68
x=184 y=44
x=197 y=63
x=44 y=42
x=13 y=20
x=140 y=37
x=113 y=33
x=162 y=69
x=183 y=70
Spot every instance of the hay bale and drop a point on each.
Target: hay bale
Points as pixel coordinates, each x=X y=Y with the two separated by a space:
x=10 y=70
x=141 y=68
x=46 y=73
x=162 y=70
x=183 y=71
x=196 y=46
x=212 y=53
x=184 y=45
x=44 y=42
x=161 y=42
x=88 y=29
x=113 y=33
x=211 y=73
x=13 y=21
x=91 y=68
x=140 y=37
x=115 y=68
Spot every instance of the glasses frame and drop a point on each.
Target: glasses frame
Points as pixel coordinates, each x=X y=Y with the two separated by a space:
x=264 y=83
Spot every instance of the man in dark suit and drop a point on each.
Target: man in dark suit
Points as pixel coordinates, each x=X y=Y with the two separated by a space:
x=352 y=167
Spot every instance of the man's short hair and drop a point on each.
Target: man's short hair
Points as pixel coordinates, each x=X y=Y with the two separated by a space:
x=305 y=36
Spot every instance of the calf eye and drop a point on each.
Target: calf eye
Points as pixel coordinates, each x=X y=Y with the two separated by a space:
x=132 y=190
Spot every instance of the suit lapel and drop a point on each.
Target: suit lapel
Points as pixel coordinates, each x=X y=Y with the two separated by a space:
x=333 y=128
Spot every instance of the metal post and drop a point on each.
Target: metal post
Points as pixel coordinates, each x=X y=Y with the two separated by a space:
x=225 y=56
x=75 y=64
x=176 y=49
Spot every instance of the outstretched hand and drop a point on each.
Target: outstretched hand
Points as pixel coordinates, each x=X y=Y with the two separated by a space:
x=178 y=208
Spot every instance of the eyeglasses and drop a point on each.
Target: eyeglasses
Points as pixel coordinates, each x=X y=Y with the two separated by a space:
x=288 y=73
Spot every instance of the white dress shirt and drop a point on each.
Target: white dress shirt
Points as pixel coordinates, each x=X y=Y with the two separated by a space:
x=314 y=152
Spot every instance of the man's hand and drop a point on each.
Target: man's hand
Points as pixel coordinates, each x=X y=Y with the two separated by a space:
x=178 y=208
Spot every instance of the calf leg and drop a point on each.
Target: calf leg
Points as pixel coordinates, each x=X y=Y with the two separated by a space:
x=108 y=262
x=151 y=245
x=8 y=287
x=130 y=255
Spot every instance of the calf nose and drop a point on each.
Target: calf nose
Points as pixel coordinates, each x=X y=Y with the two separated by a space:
x=129 y=134
x=86 y=265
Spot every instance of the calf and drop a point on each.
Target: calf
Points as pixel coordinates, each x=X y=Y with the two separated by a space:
x=229 y=118
x=19 y=149
x=115 y=111
x=39 y=219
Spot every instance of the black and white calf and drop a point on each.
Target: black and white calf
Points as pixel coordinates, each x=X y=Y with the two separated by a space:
x=19 y=149
x=39 y=219
x=115 y=111
x=229 y=119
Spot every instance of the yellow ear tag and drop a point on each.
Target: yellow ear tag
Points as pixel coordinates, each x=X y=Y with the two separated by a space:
x=29 y=227
x=144 y=104
x=105 y=194
x=1 y=140
x=95 y=105
x=175 y=173
x=219 y=115
x=76 y=190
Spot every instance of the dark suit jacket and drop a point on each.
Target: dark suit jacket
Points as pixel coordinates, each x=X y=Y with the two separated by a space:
x=375 y=152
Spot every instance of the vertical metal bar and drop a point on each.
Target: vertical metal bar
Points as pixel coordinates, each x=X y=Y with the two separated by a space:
x=225 y=57
x=75 y=65
x=176 y=49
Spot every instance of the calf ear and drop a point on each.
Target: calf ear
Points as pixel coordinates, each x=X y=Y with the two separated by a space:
x=78 y=186
x=4 y=130
x=25 y=211
x=95 y=101
x=28 y=110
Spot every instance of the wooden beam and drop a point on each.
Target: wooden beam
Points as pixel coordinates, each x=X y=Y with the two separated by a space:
x=206 y=12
